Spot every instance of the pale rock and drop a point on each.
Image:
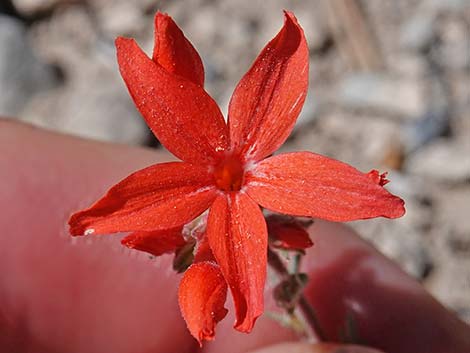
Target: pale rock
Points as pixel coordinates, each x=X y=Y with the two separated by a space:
x=30 y=7
x=455 y=48
x=123 y=18
x=68 y=38
x=452 y=210
x=361 y=141
x=453 y=6
x=398 y=241
x=407 y=64
x=418 y=32
x=450 y=283
x=93 y=104
x=21 y=73
x=443 y=160
x=381 y=92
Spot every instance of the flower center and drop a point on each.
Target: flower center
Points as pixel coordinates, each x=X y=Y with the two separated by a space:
x=229 y=174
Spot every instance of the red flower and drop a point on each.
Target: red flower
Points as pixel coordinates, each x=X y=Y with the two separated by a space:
x=225 y=168
x=287 y=233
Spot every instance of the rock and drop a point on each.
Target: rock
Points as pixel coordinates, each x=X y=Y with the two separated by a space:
x=399 y=242
x=31 y=7
x=424 y=130
x=402 y=239
x=358 y=140
x=407 y=64
x=67 y=38
x=381 y=92
x=452 y=211
x=451 y=283
x=93 y=102
x=443 y=160
x=454 y=50
x=21 y=73
x=420 y=30
x=455 y=6
x=418 y=33
x=105 y=112
x=450 y=238
x=123 y=18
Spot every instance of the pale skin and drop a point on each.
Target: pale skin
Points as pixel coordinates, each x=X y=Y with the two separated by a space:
x=90 y=295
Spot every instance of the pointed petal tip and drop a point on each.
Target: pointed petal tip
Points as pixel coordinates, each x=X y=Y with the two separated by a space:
x=289 y=15
x=76 y=228
x=168 y=92
x=128 y=242
x=240 y=248
x=160 y=18
x=174 y=52
x=124 y=48
x=246 y=325
x=268 y=99
x=161 y=14
x=119 y=42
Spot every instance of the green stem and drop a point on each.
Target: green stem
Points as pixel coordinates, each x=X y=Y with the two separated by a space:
x=303 y=306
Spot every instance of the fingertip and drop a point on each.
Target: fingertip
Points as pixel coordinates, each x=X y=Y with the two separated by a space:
x=292 y=347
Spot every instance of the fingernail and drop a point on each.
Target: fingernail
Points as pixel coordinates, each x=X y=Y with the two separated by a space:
x=315 y=348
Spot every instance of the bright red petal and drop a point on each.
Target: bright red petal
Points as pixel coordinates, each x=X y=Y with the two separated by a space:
x=202 y=294
x=180 y=113
x=202 y=251
x=307 y=184
x=286 y=233
x=159 y=197
x=268 y=99
x=238 y=238
x=157 y=243
x=174 y=52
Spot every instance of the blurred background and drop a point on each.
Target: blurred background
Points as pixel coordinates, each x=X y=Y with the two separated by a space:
x=390 y=90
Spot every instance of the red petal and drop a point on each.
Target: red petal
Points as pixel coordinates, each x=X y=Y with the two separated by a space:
x=268 y=99
x=202 y=294
x=159 y=197
x=287 y=233
x=238 y=238
x=307 y=184
x=203 y=252
x=180 y=113
x=174 y=52
x=157 y=243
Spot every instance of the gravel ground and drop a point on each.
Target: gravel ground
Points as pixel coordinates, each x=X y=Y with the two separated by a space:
x=390 y=90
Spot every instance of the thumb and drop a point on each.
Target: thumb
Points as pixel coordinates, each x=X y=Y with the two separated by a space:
x=316 y=348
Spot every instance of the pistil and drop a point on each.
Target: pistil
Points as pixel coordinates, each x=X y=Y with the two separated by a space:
x=229 y=174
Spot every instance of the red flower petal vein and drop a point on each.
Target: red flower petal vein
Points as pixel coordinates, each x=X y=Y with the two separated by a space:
x=185 y=119
x=268 y=99
x=308 y=184
x=159 y=197
x=237 y=235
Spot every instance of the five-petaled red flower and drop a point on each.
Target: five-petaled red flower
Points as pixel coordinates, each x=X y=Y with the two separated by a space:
x=226 y=168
